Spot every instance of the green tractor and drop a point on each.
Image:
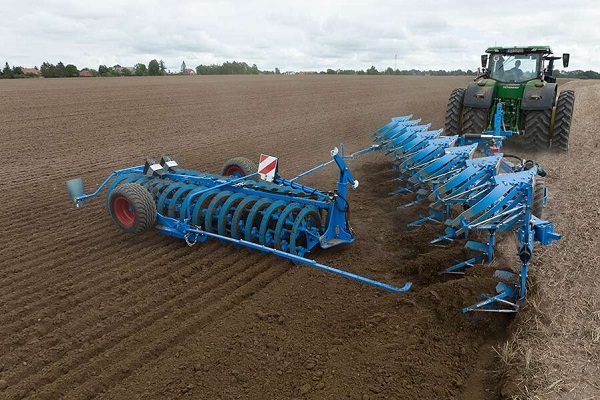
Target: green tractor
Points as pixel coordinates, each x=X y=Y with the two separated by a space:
x=521 y=79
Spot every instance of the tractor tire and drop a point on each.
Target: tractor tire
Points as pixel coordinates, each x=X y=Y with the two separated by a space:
x=562 y=120
x=454 y=112
x=239 y=167
x=474 y=120
x=537 y=205
x=537 y=129
x=132 y=208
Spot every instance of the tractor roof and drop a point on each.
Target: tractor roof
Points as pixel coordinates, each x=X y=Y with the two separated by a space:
x=520 y=50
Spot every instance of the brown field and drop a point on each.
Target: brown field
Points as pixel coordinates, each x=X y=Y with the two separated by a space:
x=87 y=311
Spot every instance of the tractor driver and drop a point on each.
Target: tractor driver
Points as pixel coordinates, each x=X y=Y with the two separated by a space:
x=516 y=70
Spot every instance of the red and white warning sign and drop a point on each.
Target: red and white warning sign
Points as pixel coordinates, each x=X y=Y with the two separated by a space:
x=267 y=167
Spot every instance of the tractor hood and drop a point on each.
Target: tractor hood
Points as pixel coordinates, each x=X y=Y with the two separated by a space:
x=509 y=90
x=533 y=95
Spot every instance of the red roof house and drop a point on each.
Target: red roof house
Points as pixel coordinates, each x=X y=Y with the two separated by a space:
x=30 y=71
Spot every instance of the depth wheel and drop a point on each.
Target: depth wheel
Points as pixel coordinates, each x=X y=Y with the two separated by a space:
x=562 y=120
x=239 y=167
x=454 y=112
x=537 y=129
x=539 y=189
x=132 y=208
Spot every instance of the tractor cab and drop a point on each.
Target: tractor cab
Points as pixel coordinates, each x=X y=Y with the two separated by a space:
x=514 y=68
x=520 y=64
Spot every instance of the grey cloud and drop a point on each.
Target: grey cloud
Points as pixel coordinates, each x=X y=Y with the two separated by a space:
x=300 y=35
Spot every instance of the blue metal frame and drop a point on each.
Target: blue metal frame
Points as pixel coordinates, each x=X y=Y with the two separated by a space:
x=174 y=227
x=281 y=194
x=495 y=194
x=76 y=185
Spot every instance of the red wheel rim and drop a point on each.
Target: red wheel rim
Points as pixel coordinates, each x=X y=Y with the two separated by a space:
x=124 y=211
x=234 y=170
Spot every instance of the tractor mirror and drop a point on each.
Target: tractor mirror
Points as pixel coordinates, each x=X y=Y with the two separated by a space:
x=566 y=59
x=484 y=60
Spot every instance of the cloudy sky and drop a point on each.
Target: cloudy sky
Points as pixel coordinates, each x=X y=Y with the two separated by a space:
x=299 y=35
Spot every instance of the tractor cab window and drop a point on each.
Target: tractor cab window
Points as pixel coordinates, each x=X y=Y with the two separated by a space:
x=514 y=68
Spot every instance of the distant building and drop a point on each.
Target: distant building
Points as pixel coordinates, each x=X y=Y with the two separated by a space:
x=86 y=73
x=189 y=71
x=31 y=71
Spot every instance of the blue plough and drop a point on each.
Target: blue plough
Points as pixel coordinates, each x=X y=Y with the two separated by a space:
x=467 y=193
x=492 y=194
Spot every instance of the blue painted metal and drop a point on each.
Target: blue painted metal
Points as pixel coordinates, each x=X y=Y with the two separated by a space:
x=283 y=218
x=76 y=186
x=173 y=227
x=492 y=194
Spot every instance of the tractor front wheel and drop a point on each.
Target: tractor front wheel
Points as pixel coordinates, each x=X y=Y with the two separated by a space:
x=474 y=120
x=132 y=207
x=454 y=112
x=562 y=119
x=238 y=167
x=537 y=129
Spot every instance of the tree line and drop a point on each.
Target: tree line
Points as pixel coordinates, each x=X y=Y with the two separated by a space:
x=14 y=73
x=60 y=70
x=390 y=71
x=578 y=74
x=154 y=68
x=157 y=68
x=232 y=68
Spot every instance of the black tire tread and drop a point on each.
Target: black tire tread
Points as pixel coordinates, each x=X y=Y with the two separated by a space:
x=474 y=120
x=537 y=205
x=454 y=112
x=537 y=129
x=562 y=120
x=246 y=165
x=143 y=204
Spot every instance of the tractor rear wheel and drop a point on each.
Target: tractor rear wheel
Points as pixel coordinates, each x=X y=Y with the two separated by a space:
x=537 y=205
x=454 y=112
x=238 y=167
x=132 y=207
x=474 y=120
x=537 y=129
x=562 y=119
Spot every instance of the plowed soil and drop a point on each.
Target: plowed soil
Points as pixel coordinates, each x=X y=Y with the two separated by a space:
x=88 y=311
